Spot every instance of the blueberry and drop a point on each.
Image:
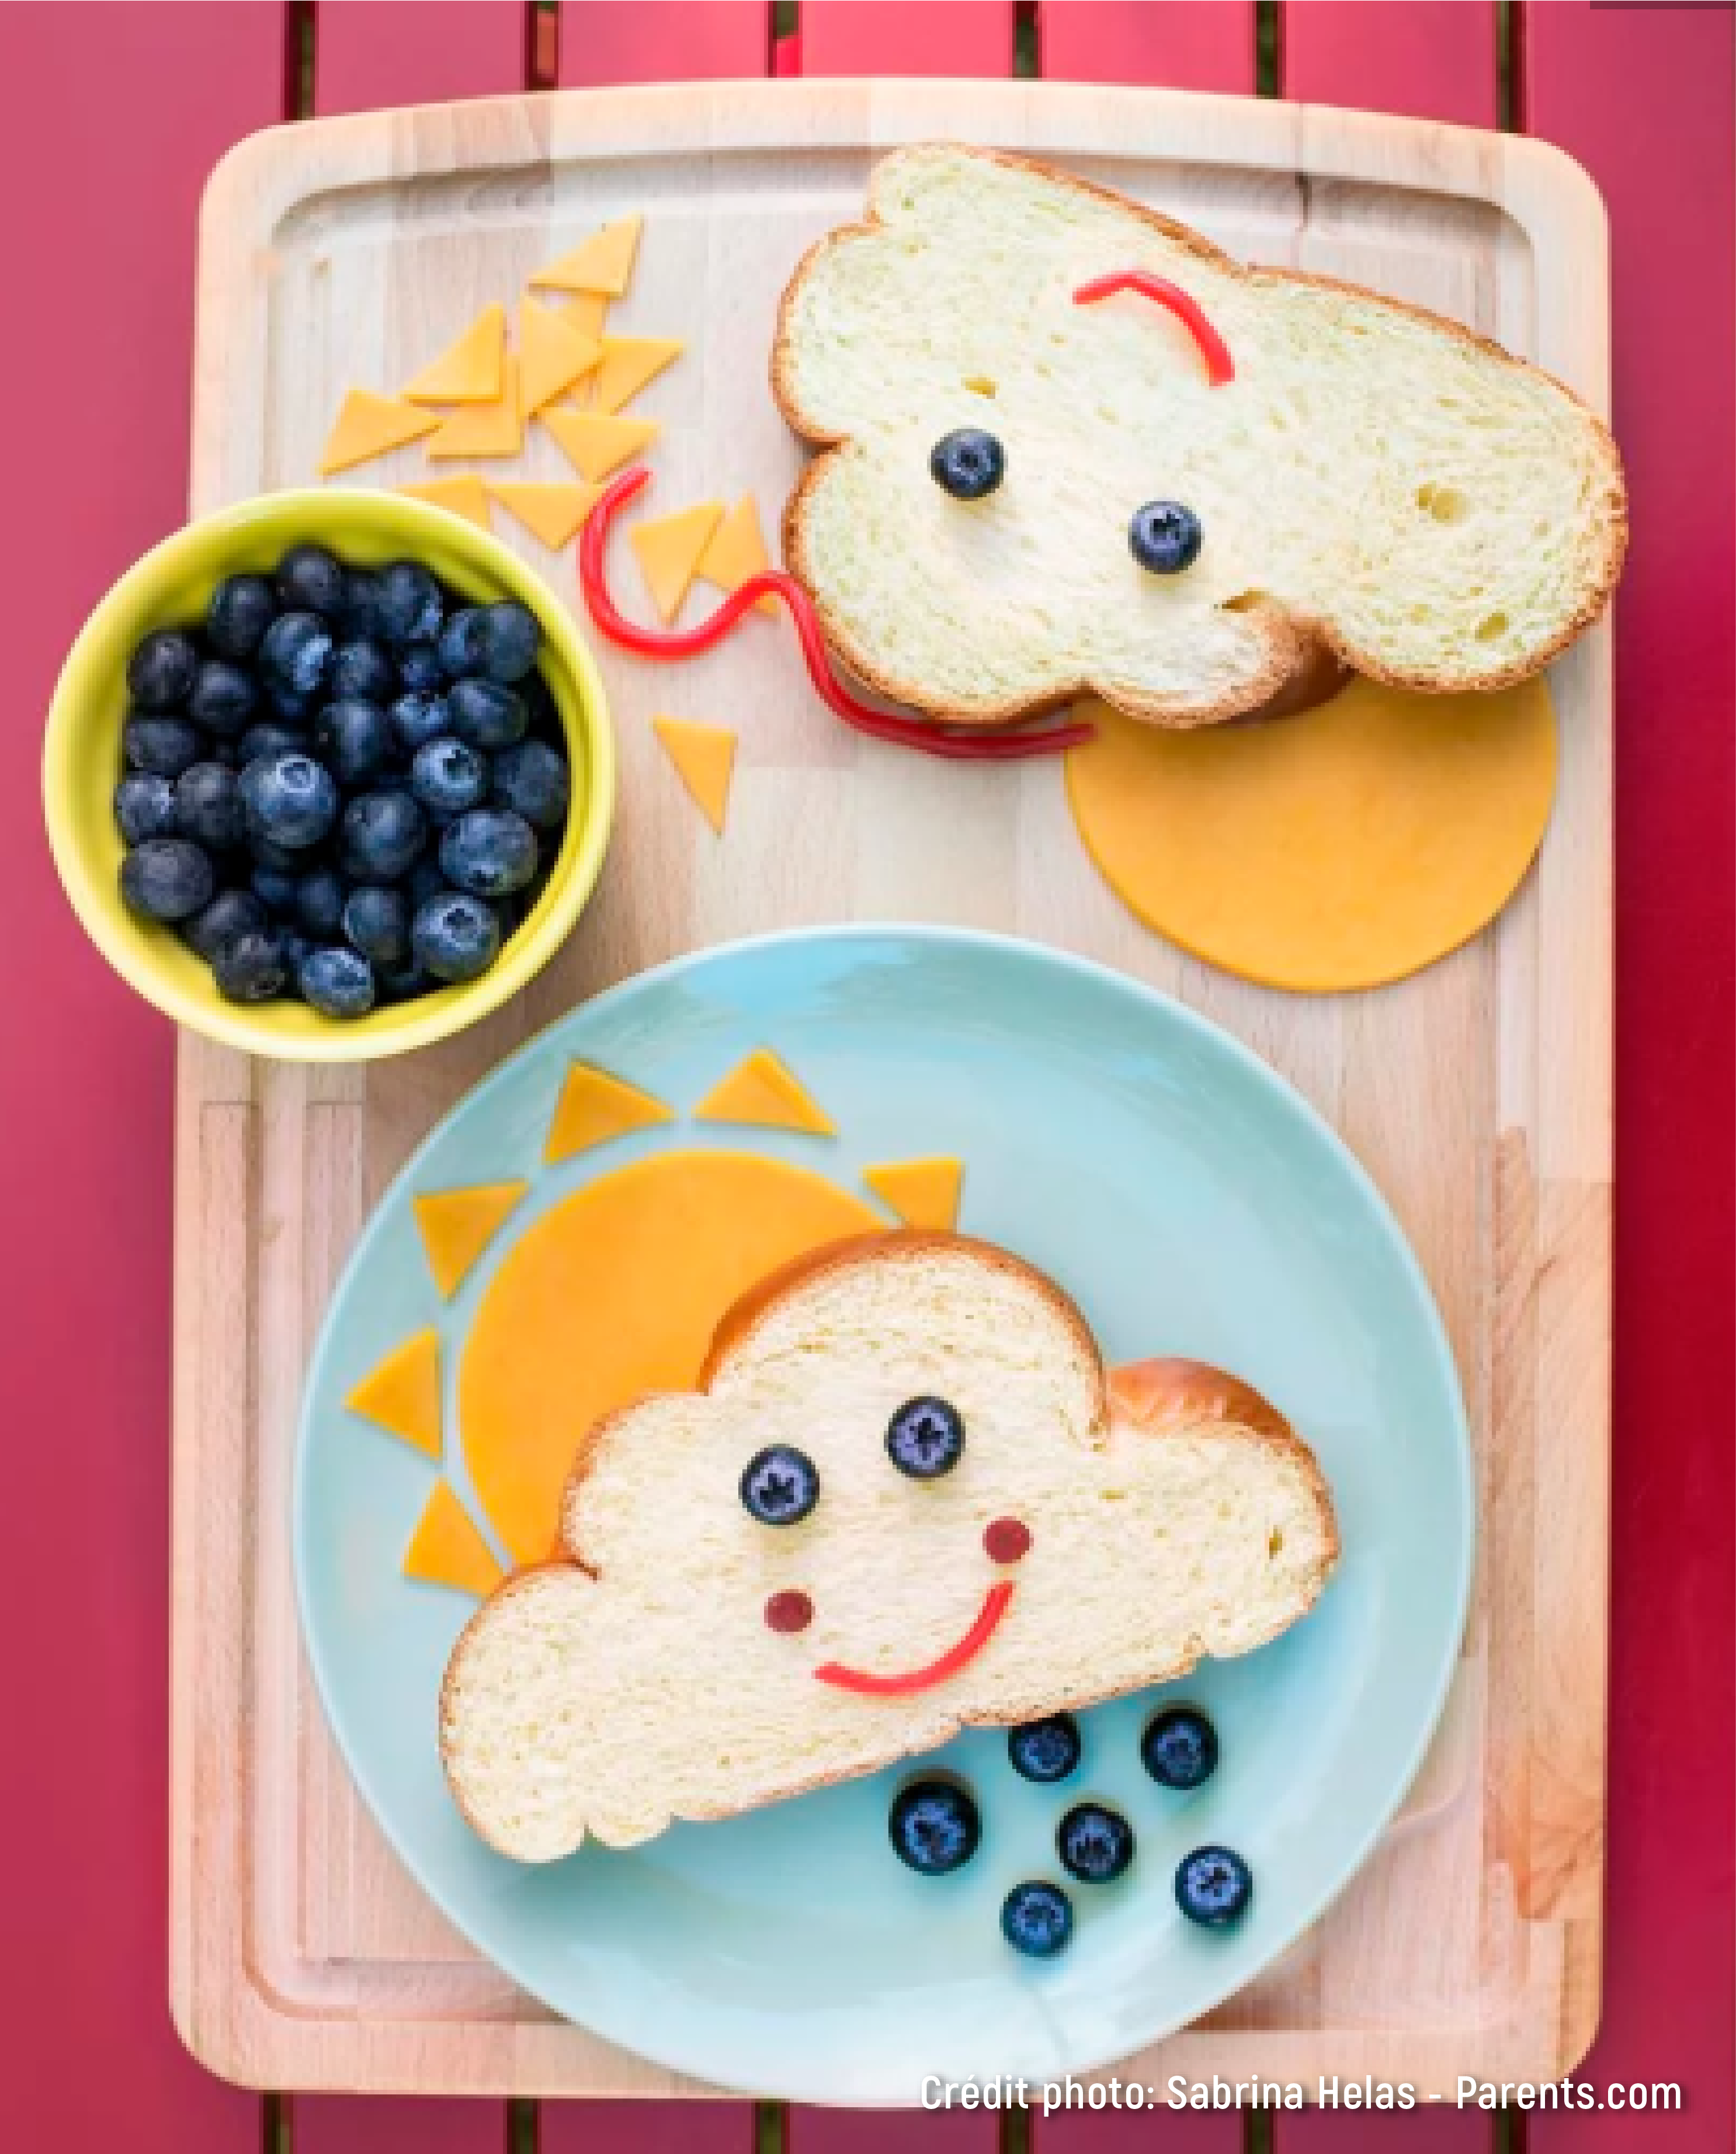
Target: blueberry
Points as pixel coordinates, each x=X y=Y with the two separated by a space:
x=447 y=777
x=361 y=669
x=163 y=747
x=269 y=737
x=411 y=605
x=337 y=982
x=312 y=580
x=290 y=799
x=319 y=898
x=935 y=1827
x=420 y=716
x=968 y=464
x=296 y=949
x=1044 y=1750
x=381 y=835
x=161 y=673
x=275 y=888
x=1037 y=1919
x=779 y=1485
x=376 y=922
x=145 y=807
x=208 y=807
x=167 y=878
x=544 y=715
x=420 y=670
x=531 y=779
x=925 y=1438
x=1095 y=1843
x=1179 y=1748
x=241 y=609
x=292 y=706
x=487 y=715
x=297 y=652
x=424 y=881
x=403 y=983
x=230 y=913
x=464 y=643
x=1213 y=1886
x=359 y=615
x=514 y=638
x=1165 y=537
x=355 y=740
x=490 y=852
x=455 y=937
x=251 y=967
x=286 y=859
x=224 y=699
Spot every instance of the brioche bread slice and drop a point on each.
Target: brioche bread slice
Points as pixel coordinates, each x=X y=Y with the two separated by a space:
x=1171 y=1513
x=1374 y=481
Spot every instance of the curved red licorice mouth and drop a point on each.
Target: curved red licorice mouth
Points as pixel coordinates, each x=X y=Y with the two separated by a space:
x=977 y=747
x=1220 y=367
x=994 y=1605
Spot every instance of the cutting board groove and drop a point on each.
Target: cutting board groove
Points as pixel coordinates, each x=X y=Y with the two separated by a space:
x=1478 y=1093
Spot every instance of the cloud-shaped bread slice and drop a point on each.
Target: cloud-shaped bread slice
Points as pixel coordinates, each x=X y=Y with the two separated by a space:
x=1167 y=1514
x=1373 y=482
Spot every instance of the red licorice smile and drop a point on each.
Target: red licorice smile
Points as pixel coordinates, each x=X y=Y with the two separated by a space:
x=994 y=1605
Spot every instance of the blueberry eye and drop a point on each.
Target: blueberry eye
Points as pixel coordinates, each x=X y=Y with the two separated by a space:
x=925 y=1438
x=780 y=1485
x=967 y=464
x=1165 y=537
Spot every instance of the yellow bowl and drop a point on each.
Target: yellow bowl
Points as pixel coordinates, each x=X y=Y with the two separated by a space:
x=169 y=588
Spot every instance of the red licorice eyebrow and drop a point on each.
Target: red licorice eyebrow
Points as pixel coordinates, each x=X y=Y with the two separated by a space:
x=979 y=747
x=1220 y=367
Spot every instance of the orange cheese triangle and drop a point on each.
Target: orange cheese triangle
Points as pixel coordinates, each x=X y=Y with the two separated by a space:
x=458 y=1224
x=737 y=551
x=586 y=311
x=604 y=262
x=552 y=354
x=367 y=425
x=594 y=1107
x=468 y=498
x=402 y=1395
x=924 y=1192
x=764 y=1091
x=485 y=429
x=447 y=1550
x=594 y=446
x=704 y=758
x=668 y=549
x=552 y=513
x=628 y=362
x=472 y=370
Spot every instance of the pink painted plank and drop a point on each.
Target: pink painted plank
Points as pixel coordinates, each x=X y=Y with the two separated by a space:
x=907 y=37
x=1643 y=98
x=902 y=2131
x=1433 y=2128
x=1157 y=2130
x=1435 y=58
x=110 y=120
x=1183 y=44
x=396 y=2124
x=646 y=2127
x=373 y=53
x=604 y=41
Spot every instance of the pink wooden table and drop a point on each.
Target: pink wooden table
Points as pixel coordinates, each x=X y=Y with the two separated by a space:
x=110 y=117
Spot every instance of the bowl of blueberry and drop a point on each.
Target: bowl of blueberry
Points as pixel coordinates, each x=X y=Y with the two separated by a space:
x=329 y=775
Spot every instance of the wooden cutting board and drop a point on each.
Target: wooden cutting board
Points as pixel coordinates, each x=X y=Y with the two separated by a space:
x=1478 y=1093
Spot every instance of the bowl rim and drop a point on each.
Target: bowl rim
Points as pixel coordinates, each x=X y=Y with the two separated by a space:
x=524 y=953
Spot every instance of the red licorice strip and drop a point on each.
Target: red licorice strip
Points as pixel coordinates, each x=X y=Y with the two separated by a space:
x=773 y=582
x=1220 y=367
x=994 y=1607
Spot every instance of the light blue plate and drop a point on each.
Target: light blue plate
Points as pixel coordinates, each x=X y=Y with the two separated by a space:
x=1192 y=1204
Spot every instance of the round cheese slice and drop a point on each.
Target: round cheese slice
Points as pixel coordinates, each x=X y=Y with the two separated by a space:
x=1344 y=848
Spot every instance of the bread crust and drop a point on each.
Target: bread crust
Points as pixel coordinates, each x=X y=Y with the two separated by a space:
x=1293 y=639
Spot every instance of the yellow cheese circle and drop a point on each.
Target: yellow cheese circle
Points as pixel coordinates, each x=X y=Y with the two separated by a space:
x=613 y=1292
x=1344 y=848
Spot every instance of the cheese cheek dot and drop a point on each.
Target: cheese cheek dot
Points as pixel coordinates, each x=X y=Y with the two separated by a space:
x=789 y=1612
x=1006 y=1540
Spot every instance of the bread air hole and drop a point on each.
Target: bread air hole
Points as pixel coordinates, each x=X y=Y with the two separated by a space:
x=1275 y=1542
x=1445 y=503
x=1492 y=627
